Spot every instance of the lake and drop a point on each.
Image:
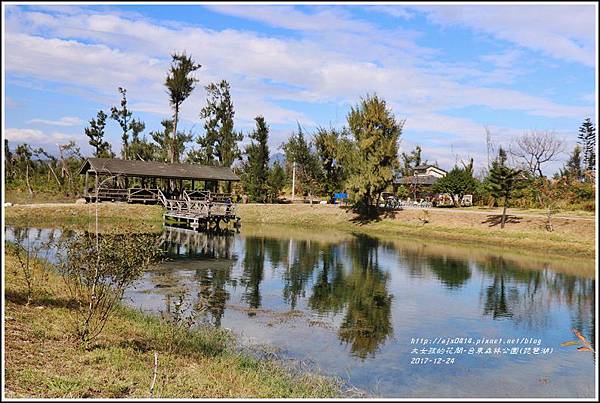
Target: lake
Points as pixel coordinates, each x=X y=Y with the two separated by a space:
x=396 y=318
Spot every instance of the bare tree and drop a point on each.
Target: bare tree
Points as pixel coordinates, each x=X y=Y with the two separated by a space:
x=535 y=148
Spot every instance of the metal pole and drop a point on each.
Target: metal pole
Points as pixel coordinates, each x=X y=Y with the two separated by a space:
x=293 y=179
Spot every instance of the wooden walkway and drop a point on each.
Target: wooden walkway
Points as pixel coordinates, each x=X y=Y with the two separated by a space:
x=199 y=210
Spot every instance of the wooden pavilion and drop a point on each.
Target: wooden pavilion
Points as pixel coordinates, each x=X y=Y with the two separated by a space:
x=140 y=181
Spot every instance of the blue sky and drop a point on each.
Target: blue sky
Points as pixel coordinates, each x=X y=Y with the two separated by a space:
x=449 y=70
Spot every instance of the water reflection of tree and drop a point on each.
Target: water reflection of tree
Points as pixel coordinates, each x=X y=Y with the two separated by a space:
x=253 y=270
x=526 y=296
x=453 y=273
x=344 y=277
x=212 y=258
x=303 y=258
x=362 y=291
x=213 y=278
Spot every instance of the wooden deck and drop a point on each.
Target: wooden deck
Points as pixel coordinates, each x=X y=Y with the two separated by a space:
x=196 y=209
x=199 y=211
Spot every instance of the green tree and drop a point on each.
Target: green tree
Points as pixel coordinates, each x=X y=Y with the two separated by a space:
x=332 y=146
x=503 y=182
x=140 y=148
x=123 y=116
x=308 y=173
x=8 y=162
x=256 y=167
x=573 y=167
x=180 y=84
x=169 y=148
x=587 y=139
x=276 y=181
x=376 y=132
x=457 y=182
x=219 y=143
x=95 y=132
x=410 y=161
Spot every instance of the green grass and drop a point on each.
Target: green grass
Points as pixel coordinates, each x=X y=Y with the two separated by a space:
x=43 y=359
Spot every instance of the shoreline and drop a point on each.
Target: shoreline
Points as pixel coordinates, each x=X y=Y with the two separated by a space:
x=573 y=237
x=206 y=362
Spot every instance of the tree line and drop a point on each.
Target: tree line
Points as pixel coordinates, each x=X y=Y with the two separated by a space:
x=362 y=158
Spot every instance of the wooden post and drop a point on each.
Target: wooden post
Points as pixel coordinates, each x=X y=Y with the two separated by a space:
x=193 y=184
x=293 y=180
x=96 y=188
x=85 y=186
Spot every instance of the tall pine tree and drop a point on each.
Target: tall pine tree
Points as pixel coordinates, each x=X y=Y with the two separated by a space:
x=219 y=143
x=180 y=84
x=376 y=132
x=276 y=181
x=95 y=132
x=299 y=151
x=122 y=116
x=170 y=149
x=332 y=146
x=256 y=169
x=587 y=139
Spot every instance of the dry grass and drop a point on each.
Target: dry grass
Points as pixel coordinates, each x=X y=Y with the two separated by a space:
x=42 y=359
x=132 y=217
x=572 y=237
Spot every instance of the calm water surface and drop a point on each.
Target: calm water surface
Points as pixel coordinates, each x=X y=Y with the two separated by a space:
x=352 y=305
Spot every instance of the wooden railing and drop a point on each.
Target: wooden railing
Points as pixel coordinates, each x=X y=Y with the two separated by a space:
x=196 y=194
x=110 y=194
x=138 y=194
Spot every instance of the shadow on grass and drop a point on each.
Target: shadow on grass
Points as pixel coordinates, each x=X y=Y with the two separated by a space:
x=20 y=298
x=496 y=219
x=366 y=217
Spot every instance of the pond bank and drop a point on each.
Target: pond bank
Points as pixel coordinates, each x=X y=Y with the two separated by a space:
x=572 y=236
x=42 y=359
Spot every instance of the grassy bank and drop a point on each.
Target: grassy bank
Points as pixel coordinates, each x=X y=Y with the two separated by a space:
x=43 y=360
x=573 y=236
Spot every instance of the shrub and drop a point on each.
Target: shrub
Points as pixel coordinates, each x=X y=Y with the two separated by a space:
x=97 y=269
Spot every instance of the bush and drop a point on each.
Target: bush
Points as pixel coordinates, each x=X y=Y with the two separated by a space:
x=97 y=269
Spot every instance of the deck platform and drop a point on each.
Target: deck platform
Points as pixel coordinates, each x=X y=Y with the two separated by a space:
x=203 y=212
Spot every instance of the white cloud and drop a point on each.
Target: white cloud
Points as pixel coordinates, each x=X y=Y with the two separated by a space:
x=566 y=32
x=35 y=136
x=393 y=10
x=248 y=61
x=336 y=58
x=64 y=121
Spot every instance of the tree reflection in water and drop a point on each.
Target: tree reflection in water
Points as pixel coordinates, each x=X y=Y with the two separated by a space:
x=453 y=273
x=351 y=284
x=367 y=323
x=525 y=296
x=213 y=257
x=253 y=271
x=348 y=279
